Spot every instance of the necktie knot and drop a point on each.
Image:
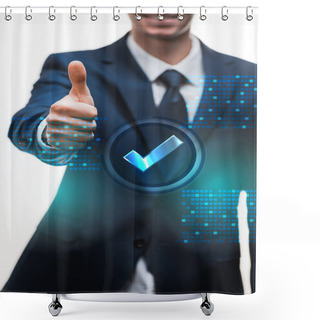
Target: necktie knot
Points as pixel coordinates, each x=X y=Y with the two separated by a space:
x=172 y=78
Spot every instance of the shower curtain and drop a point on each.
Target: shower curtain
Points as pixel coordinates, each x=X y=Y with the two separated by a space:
x=128 y=150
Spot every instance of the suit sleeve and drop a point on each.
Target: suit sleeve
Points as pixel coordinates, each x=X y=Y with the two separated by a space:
x=52 y=85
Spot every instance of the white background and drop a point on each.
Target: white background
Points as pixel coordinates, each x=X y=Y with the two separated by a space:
x=288 y=240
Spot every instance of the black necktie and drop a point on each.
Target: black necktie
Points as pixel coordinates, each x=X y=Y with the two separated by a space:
x=172 y=105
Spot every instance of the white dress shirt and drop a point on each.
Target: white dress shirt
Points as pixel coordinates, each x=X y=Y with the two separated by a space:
x=192 y=68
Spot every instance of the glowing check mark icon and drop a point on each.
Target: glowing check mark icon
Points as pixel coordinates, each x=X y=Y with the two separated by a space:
x=161 y=151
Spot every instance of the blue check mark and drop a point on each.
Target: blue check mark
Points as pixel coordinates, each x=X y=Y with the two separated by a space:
x=161 y=151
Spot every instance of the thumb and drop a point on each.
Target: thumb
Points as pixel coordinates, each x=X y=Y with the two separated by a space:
x=77 y=75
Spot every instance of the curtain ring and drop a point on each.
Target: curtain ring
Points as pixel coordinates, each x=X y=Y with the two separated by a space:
x=52 y=10
x=116 y=17
x=160 y=16
x=7 y=15
x=93 y=17
x=28 y=10
x=138 y=16
x=249 y=16
x=203 y=13
x=180 y=14
x=224 y=13
x=73 y=12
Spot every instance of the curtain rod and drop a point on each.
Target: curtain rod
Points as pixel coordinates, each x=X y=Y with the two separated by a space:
x=132 y=7
x=161 y=11
x=127 y=9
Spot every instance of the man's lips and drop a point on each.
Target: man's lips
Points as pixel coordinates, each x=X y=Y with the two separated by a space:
x=154 y=16
x=169 y=20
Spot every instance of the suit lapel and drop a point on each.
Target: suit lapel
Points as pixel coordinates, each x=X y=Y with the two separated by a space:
x=132 y=83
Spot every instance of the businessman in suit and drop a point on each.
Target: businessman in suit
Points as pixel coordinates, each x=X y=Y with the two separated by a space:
x=99 y=235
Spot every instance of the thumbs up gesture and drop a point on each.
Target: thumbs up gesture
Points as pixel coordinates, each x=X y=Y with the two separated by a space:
x=70 y=123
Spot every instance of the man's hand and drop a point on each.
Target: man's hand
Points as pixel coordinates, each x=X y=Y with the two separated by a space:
x=71 y=120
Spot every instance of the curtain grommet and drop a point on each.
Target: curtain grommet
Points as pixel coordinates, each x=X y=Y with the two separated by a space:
x=249 y=16
x=116 y=17
x=180 y=14
x=224 y=13
x=52 y=16
x=93 y=16
x=160 y=16
x=28 y=12
x=138 y=16
x=73 y=12
x=7 y=14
x=203 y=13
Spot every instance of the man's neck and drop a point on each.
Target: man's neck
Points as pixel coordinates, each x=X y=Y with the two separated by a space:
x=171 y=51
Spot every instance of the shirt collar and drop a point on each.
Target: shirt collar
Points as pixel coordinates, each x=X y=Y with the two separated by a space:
x=191 y=66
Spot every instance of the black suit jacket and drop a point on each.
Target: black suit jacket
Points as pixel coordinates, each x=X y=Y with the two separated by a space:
x=96 y=229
